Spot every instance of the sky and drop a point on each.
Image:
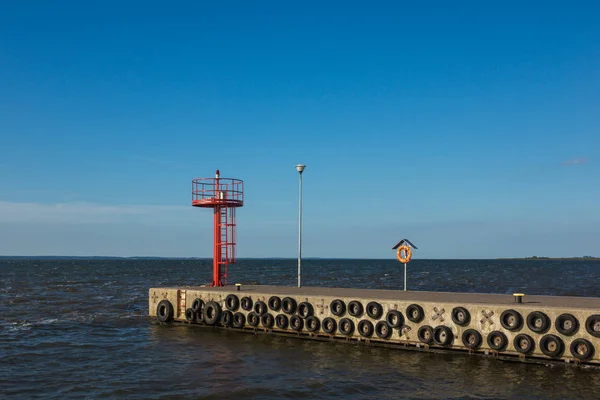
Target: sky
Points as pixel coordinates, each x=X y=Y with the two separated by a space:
x=472 y=129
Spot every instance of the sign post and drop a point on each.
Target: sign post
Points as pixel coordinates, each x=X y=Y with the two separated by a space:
x=404 y=254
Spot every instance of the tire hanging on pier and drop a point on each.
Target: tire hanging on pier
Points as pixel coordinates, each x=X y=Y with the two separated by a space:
x=197 y=305
x=247 y=303
x=538 y=322
x=305 y=310
x=190 y=315
x=288 y=305
x=200 y=316
x=346 y=327
x=552 y=346
x=524 y=343
x=338 y=308
x=497 y=341
x=239 y=320
x=460 y=316
x=582 y=349
x=566 y=324
x=253 y=319
x=296 y=323
x=281 y=321
x=232 y=302
x=415 y=313
x=260 y=307
x=211 y=313
x=274 y=303
x=394 y=318
x=329 y=325
x=472 y=339
x=374 y=310
x=511 y=320
x=383 y=330
x=267 y=320
x=366 y=328
x=442 y=335
x=312 y=324
x=592 y=325
x=355 y=309
x=425 y=334
x=164 y=311
x=227 y=318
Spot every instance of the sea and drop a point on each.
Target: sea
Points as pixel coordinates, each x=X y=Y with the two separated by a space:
x=78 y=329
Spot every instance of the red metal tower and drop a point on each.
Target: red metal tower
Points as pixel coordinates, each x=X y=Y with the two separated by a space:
x=224 y=195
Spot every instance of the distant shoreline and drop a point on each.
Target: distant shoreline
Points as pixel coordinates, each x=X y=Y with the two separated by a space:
x=550 y=258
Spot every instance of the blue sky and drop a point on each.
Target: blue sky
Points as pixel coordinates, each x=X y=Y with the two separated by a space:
x=471 y=129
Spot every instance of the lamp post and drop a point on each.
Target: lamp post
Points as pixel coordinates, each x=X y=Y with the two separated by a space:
x=300 y=169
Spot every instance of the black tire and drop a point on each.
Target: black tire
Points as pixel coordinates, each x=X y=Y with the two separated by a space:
x=296 y=323
x=383 y=330
x=472 y=339
x=538 y=322
x=329 y=325
x=227 y=318
x=552 y=346
x=582 y=349
x=165 y=311
x=253 y=319
x=247 y=303
x=267 y=320
x=260 y=307
x=232 y=302
x=425 y=334
x=282 y=321
x=239 y=320
x=460 y=316
x=394 y=318
x=374 y=310
x=442 y=335
x=366 y=328
x=566 y=324
x=415 y=313
x=356 y=309
x=511 y=320
x=497 y=341
x=524 y=344
x=288 y=305
x=211 y=313
x=305 y=310
x=337 y=308
x=346 y=327
x=592 y=325
x=200 y=316
x=274 y=303
x=312 y=324
x=190 y=315
x=197 y=305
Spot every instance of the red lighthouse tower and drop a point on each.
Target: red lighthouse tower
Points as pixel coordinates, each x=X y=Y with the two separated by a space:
x=223 y=195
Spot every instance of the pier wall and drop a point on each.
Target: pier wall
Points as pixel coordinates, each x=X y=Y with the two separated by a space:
x=540 y=329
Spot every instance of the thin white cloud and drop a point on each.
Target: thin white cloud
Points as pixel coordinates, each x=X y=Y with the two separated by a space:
x=82 y=212
x=575 y=161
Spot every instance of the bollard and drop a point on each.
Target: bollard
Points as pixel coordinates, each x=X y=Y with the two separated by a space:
x=238 y=286
x=518 y=297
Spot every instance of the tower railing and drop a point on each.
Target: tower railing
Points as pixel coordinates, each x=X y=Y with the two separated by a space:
x=223 y=195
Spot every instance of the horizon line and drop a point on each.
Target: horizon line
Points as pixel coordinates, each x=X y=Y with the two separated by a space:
x=63 y=257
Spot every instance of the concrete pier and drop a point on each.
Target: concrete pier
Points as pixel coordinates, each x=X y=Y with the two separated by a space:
x=538 y=329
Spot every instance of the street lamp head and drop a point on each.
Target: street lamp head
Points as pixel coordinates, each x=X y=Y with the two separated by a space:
x=300 y=168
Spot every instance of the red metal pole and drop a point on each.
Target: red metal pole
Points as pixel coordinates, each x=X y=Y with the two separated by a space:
x=216 y=246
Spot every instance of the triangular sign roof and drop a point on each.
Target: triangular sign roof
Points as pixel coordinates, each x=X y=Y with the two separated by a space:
x=400 y=243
